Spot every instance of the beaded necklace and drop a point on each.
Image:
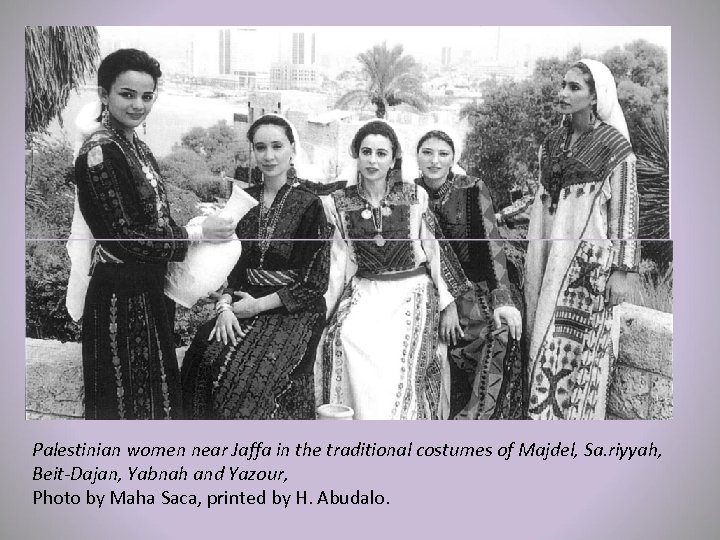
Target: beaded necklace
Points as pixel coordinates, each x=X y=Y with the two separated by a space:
x=267 y=223
x=439 y=197
x=376 y=214
x=145 y=164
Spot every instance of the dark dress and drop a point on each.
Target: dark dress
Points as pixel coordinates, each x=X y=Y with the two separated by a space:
x=129 y=364
x=482 y=371
x=269 y=373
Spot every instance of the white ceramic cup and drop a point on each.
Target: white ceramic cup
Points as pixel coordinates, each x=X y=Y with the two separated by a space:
x=334 y=412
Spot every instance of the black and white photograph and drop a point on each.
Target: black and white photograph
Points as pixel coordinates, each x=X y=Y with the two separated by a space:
x=338 y=223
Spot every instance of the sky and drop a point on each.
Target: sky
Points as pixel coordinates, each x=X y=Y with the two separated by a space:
x=512 y=44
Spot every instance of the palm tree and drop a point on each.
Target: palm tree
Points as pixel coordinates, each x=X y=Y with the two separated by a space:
x=392 y=78
x=57 y=58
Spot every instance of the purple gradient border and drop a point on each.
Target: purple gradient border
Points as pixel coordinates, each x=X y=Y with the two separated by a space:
x=674 y=497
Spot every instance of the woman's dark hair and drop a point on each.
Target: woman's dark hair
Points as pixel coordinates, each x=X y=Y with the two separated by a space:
x=124 y=60
x=271 y=120
x=377 y=127
x=587 y=75
x=436 y=134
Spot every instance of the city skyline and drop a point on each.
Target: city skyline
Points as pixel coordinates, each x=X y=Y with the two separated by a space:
x=337 y=47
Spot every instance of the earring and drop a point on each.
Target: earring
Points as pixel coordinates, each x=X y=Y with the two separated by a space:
x=291 y=173
x=393 y=176
x=144 y=128
x=105 y=116
x=591 y=119
x=256 y=176
x=567 y=121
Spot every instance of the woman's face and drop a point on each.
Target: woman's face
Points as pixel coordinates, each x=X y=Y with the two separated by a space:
x=375 y=157
x=273 y=150
x=574 y=94
x=435 y=158
x=130 y=99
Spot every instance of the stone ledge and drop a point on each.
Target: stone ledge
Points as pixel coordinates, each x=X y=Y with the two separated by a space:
x=646 y=339
x=642 y=386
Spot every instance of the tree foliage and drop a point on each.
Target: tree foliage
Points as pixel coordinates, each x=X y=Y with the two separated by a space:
x=203 y=155
x=57 y=59
x=392 y=78
x=218 y=145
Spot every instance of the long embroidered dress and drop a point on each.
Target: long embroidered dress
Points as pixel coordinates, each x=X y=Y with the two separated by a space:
x=464 y=209
x=380 y=353
x=129 y=364
x=269 y=373
x=587 y=206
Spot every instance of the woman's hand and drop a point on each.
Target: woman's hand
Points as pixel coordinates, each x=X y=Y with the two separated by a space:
x=510 y=316
x=450 y=330
x=617 y=289
x=215 y=227
x=226 y=325
x=246 y=307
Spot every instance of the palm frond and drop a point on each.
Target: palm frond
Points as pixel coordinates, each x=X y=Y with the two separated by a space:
x=392 y=78
x=57 y=60
x=653 y=177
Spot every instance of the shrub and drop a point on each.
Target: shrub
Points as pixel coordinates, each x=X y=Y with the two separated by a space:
x=183 y=203
x=208 y=189
x=49 y=192
x=654 y=288
x=47 y=268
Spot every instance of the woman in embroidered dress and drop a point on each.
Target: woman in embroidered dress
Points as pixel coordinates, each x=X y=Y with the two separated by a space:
x=129 y=364
x=471 y=326
x=380 y=353
x=581 y=228
x=255 y=360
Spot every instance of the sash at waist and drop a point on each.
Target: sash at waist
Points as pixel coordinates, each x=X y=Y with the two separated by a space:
x=393 y=276
x=271 y=278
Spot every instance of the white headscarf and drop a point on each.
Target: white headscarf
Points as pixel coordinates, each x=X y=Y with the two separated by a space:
x=608 y=108
x=81 y=242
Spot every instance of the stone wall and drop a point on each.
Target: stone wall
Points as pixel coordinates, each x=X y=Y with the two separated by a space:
x=643 y=386
x=641 y=389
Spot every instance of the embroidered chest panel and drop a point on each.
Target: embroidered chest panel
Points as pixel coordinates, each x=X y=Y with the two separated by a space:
x=394 y=255
x=591 y=159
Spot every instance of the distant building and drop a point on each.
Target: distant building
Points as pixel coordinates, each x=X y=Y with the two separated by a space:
x=295 y=67
x=446 y=56
x=228 y=54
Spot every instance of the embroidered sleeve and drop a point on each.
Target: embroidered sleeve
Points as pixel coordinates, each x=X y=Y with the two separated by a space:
x=445 y=269
x=342 y=267
x=492 y=253
x=114 y=209
x=312 y=280
x=623 y=213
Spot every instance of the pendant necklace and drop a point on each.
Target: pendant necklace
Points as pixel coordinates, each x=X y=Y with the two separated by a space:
x=377 y=223
x=369 y=212
x=145 y=166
